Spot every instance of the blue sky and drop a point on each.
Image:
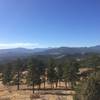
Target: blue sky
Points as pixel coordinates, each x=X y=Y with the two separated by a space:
x=49 y=23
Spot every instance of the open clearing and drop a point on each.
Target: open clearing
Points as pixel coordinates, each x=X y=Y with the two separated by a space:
x=10 y=93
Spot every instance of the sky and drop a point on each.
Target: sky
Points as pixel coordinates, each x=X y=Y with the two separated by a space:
x=49 y=23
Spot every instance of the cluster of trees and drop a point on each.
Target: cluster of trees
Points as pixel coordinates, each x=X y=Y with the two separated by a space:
x=54 y=71
x=51 y=71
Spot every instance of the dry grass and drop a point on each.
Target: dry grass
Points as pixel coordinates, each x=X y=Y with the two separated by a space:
x=10 y=93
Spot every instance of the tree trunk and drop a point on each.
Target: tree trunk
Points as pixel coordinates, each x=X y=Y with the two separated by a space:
x=44 y=84
x=59 y=83
x=18 y=76
x=66 y=84
x=51 y=85
x=33 y=87
x=39 y=86
x=56 y=84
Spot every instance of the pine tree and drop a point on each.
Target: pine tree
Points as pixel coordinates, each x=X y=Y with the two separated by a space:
x=51 y=72
x=18 y=67
x=60 y=72
x=7 y=74
x=70 y=73
x=31 y=73
x=35 y=71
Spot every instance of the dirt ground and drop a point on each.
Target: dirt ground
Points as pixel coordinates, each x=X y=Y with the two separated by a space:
x=10 y=93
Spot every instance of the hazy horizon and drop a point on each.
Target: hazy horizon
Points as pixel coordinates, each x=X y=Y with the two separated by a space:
x=29 y=46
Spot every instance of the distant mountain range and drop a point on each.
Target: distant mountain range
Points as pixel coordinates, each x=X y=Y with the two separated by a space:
x=11 y=54
x=72 y=50
x=22 y=52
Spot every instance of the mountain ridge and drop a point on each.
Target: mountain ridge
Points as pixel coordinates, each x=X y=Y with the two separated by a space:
x=23 y=52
